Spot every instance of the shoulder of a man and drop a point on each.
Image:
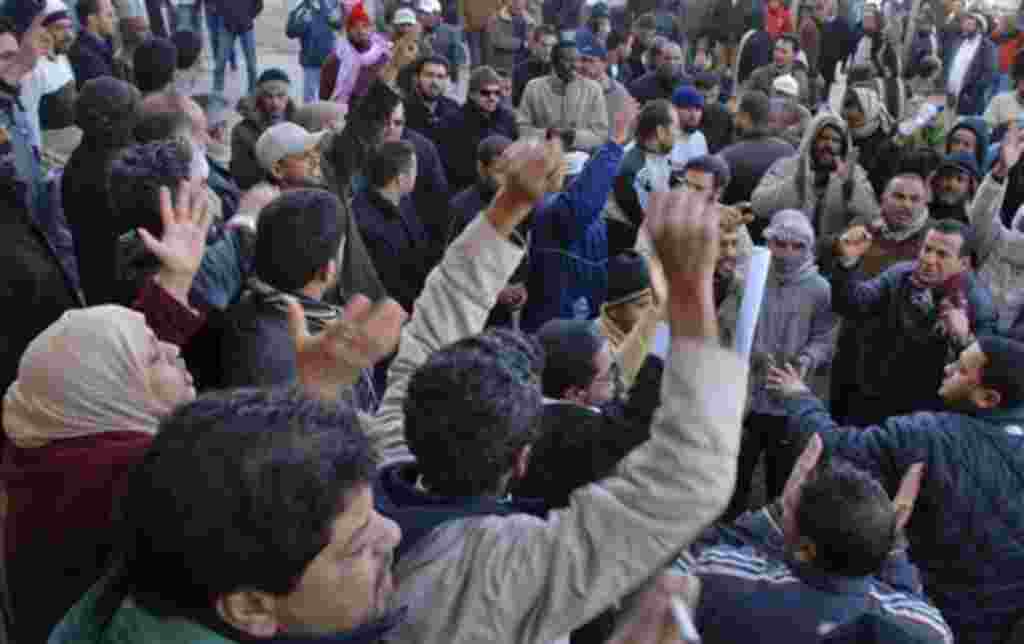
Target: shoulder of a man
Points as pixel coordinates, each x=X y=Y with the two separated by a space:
x=910 y=614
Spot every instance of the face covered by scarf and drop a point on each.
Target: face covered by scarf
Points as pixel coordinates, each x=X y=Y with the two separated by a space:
x=875 y=114
x=86 y=374
x=791 y=226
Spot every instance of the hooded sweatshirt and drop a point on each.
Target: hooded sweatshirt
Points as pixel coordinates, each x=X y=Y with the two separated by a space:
x=790 y=183
x=796 y=322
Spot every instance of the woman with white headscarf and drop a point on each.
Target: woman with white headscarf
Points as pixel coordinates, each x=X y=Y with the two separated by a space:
x=871 y=127
x=90 y=393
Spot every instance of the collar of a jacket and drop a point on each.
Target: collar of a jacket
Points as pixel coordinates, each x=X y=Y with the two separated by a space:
x=829 y=583
x=388 y=209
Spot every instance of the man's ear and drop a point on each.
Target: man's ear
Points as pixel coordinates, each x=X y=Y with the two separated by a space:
x=805 y=551
x=276 y=171
x=986 y=398
x=250 y=611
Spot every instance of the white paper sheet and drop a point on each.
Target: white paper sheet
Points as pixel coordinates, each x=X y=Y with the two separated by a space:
x=750 y=304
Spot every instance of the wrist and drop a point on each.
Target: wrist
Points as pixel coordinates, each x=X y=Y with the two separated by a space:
x=176 y=284
x=507 y=210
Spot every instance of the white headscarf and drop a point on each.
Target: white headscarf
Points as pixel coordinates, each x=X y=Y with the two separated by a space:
x=84 y=375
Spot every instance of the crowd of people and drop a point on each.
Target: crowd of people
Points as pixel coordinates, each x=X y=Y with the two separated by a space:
x=447 y=340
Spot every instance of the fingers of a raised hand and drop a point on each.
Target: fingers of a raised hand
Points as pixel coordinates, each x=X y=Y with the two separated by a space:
x=807 y=462
x=183 y=202
x=910 y=487
x=167 y=216
x=297 y=324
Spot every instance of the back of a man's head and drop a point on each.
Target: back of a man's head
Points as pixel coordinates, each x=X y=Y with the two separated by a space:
x=655 y=114
x=570 y=351
x=849 y=518
x=162 y=116
x=138 y=174
x=297 y=235
x=470 y=409
x=189 y=46
x=757 y=106
x=389 y=160
x=154 y=63
x=277 y=470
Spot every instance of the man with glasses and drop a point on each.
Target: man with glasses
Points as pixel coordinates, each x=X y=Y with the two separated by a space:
x=290 y=156
x=482 y=116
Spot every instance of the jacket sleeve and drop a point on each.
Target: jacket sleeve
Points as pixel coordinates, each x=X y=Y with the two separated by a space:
x=589 y=191
x=855 y=298
x=823 y=332
x=458 y=296
x=544 y=578
x=984 y=214
x=777 y=189
x=594 y=128
x=986 y=317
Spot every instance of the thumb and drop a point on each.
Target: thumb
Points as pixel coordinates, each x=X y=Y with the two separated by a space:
x=151 y=243
x=297 y=324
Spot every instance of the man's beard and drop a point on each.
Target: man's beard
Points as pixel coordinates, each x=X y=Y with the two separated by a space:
x=950 y=199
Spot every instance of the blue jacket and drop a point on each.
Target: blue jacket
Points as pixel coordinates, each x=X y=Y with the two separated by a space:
x=311 y=22
x=907 y=358
x=569 y=246
x=965 y=533
x=650 y=87
x=749 y=586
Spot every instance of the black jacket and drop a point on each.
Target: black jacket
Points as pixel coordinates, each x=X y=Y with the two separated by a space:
x=462 y=133
x=421 y=119
x=717 y=126
x=432 y=191
x=749 y=160
x=650 y=87
x=91 y=57
x=239 y=15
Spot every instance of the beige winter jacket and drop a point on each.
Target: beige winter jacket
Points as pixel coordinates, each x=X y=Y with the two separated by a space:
x=547 y=102
x=1000 y=249
x=521 y=580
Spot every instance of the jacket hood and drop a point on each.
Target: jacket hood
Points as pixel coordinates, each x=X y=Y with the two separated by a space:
x=977 y=125
x=825 y=119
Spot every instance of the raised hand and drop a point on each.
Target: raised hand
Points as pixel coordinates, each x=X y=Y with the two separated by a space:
x=530 y=169
x=795 y=484
x=624 y=119
x=362 y=335
x=181 y=247
x=1010 y=150
x=853 y=243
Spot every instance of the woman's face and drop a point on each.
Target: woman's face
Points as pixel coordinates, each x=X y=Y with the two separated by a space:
x=166 y=375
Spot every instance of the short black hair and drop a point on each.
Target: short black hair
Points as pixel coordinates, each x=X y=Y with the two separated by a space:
x=431 y=59
x=615 y=40
x=278 y=467
x=298 y=233
x=189 y=45
x=388 y=160
x=136 y=176
x=849 y=517
x=654 y=114
x=470 y=408
x=570 y=348
x=920 y=160
x=7 y=25
x=85 y=8
x=154 y=63
x=161 y=123
x=1002 y=370
x=792 y=39
x=757 y=106
x=713 y=165
x=954 y=227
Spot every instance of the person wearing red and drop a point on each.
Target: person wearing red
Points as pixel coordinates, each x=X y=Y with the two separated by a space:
x=348 y=71
x=778 y=18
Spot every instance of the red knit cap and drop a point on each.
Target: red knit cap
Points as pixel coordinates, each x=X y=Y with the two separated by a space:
x=356 y=16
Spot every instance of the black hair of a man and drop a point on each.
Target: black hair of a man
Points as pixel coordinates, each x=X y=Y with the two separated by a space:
x=389 y=160
x=86 y=8
x=654 y=114
x=570 y=351
x=954 y=227
x=919 y=160
x=713 y=165
x=430 y=59
x=278 y=468
x=136 y=176
x=849 y=517
x=297 y=235
x=154 y=64
x=470 y=409
x=757 y=106
x=161 y=124
x=1002 y=370
x=189 y=45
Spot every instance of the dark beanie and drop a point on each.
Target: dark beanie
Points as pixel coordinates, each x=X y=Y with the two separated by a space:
x=106 y=109
x=154 y=64
x=491 y=148
x=1002 y=370
x=189 y=47
x=22 y=13
x=628 y=277
x=298 y=233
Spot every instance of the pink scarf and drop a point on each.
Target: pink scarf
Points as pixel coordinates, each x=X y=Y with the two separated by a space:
x=352 y=62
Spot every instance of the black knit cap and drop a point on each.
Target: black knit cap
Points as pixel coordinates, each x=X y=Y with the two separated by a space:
x=628 y=277
x=273 y=74
x=154 y=63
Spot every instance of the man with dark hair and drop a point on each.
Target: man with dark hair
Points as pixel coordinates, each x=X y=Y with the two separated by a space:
x=667 y=75
x=538 y=63
x=567 y=101
x=92 y=55
x=578 y=364
x=186 y=71
x=755 y=150
x=154 y=63
x=717 y=121
x=644 y=169
x=689 y=105
x=426 y=106
x=707 y=175
x=953 y=186
x=787 y=46
x=482 y=116
x=829 y=553
x=972 y=466
x=461 y=411
x=236 y=554
x=268 y=105
x=822 y=180
x=930 y=307
x=395 y=236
